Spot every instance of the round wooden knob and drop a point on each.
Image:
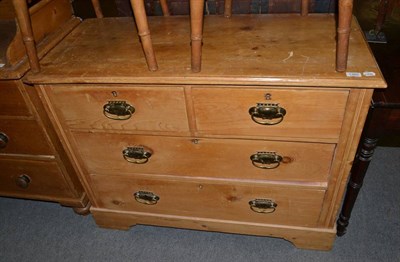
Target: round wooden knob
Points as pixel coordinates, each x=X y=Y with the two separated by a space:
x=23 y=181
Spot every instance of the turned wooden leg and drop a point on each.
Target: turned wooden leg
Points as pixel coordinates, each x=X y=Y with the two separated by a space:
x=83 y=211
x=382 y=11
x=196 y=26
x=228 y=8
x=97 y=8
x=164 y=7
x=24 y=22
x=304 y=7
x=343 y=34
x=144 y=33
x=374 y=127
x=358 y=172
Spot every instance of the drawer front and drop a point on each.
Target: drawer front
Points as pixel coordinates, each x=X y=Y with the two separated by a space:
x=26 y=178
x=253 y=112
x=223 y=158
x=23 y=137
x=122 y=108
x=12 y=102
x=205 y=199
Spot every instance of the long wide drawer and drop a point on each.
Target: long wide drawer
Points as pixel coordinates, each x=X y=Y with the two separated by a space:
x=105 y=153
x=207 y=199
x=121 y=107
x=23 y=137
x=31 y=178
x=269 y=112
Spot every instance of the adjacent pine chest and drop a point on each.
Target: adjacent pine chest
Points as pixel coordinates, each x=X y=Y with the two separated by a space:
x=33 y=163
x=260 y=142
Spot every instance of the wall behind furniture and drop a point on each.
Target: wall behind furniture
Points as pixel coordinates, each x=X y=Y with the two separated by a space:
x=84 y=9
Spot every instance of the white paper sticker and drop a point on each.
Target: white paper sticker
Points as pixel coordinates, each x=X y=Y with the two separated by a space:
x=369 y=73
x=353 y=74
x=1 y=65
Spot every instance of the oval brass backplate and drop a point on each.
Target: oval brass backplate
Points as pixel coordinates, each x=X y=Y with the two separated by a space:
x=266 y=160
x=118 y=110
x=145 y=197
x=137 y=154
x=267 y=113
x=264 y=206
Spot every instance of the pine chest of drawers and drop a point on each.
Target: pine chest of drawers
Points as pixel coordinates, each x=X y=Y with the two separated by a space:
x=260 y=142
x=33 y=163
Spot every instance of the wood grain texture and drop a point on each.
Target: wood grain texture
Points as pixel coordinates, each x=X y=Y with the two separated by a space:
x=301 y=237
x=201 y=170
x=210 y=200
x=46 y=18
x=156 y=108
x=16 y=62
x=6 y=10
x=12 y=100
x=208 y=158
x=47 y=180
x=353 y=122
x=246 y=50
x=25 y=26
x=25 y=137
x=309 y=113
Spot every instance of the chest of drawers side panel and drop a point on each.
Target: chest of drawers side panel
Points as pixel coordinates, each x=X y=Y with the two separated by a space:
x=353 y=122
x=64 y=163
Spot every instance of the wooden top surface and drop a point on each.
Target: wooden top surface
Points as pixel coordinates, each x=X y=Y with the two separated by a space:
x=245 y=49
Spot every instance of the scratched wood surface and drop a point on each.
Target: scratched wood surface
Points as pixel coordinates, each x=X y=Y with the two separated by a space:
x=263 y=49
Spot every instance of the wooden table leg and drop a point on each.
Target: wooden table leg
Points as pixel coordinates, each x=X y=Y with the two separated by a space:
x=228 y=8
x=374 y=126
x=196 y=26
x=382 y=11
x=97 y=8
x=144 y=33
x=358 y=172
x=164 y=7
x=24 y=22
x=304 y=7
x=343 y=34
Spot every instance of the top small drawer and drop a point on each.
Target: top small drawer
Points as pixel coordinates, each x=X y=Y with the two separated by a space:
x=12 y=103
x=287 y=113
x=121 y=107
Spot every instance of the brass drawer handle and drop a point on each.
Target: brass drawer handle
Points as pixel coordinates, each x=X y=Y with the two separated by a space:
x=147 y=198
x=265 y=206
x=118 y=110
x=267 y=114
x=23 y=181
x=137 y=154
x=3 y=140
x=266 y=160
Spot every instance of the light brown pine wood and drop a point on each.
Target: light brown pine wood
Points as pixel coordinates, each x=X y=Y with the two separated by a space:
x=164 y=7
x=23 y=16
x=213 y=158
x=197 y=127
x=97 y=8
x=343 y=34
x=144 y=33
x=269 y=59
x=32 y=161
x=301 y=237
x=156 y=108
x=204 y=199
